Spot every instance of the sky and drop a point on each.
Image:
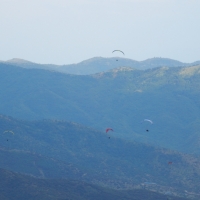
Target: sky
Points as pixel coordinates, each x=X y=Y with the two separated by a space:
x=70 y=31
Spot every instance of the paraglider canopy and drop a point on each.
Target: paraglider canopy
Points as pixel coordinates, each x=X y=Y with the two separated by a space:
x=119 y=51
x=109 y=129
x=148 y=120
x=9 y=132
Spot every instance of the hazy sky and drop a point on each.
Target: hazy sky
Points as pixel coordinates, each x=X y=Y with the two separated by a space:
x=69 y=31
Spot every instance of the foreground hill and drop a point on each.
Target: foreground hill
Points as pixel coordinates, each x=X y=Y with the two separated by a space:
x=58 y=149
x=121 y=99
x=99 y=64
x=17 y=186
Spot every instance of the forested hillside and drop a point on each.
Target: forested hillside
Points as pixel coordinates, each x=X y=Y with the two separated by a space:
x=59 y=149
x=17 y=186
x=121 y=99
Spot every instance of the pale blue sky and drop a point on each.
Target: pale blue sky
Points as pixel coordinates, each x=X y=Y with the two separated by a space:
x=69 y=31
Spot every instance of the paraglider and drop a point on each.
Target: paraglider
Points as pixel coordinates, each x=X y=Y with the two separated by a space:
x=118 y=51
x=109 y=129
x=8 y=131
x=170 y=162
x=149 y=122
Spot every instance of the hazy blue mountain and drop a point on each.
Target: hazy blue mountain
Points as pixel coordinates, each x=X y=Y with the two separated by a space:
x=121 y=99
x=100 y=64
x=17 y=186
x=59 y=149
x=29 y=65
x=162 y=62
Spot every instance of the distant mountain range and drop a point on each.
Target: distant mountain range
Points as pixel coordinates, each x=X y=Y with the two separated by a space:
x=58 y=121
x=99 y=64
x=121 y=98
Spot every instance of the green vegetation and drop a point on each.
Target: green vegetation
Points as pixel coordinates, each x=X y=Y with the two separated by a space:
x=17 y=186
x=120 y=99
x=59 y=149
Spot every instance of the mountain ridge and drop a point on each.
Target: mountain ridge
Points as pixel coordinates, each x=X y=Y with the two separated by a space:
x=119 y=99
x=100 y=64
